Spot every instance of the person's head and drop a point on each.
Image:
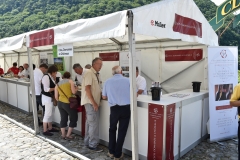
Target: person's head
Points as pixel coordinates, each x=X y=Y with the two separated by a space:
x=78 y=68
x=34 y=66
x=25 y=66
x=97 y=64
x=20 y=68
x=15 y=64
x=137 y=71
x=52 y=70
x=88 y=66
x=44 y=68
x=220 y=88
x=66 y=75
x=116 y=70
x=230 y=88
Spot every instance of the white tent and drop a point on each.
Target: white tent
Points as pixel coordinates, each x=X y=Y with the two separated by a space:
x=169 y=24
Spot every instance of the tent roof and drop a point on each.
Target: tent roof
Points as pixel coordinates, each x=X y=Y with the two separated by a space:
x=111 y=29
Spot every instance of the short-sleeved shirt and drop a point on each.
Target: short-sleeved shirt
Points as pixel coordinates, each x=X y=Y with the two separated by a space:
x=25 y=72
x=236 y=93
x=15 y=70
x=117 y=89
x=38 y=75
x=1 y=71
x=141 y=84
x=66 y=88
x=90 y=78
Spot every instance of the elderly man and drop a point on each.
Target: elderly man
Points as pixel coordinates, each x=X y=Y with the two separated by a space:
x=26 y=70
x=141 y=84
x=91 y=96
x=88 y=66
x=79 y=71
x=117 y=91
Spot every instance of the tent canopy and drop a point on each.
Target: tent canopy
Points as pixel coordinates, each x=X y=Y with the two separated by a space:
x=167 y=23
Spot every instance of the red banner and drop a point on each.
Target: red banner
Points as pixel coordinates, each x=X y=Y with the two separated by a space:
x=155 y=131
x=170 y=132
x=42 y=38
x=223 y=107
x=113 y=56
x=187 y=26
x=184 y=55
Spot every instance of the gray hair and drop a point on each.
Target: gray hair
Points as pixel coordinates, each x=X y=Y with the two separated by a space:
x=116 y=70
x=77 y=65
x=88 y=66
x=95 y=60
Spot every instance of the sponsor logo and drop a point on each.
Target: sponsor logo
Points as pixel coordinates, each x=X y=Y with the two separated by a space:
x=223 y=54
x=158 y=24
x=155 y=110
x=170 y=110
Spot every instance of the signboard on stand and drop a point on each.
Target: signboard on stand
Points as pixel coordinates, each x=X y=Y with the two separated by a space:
x=65 y=50
x=124 y=62
x=222 y=77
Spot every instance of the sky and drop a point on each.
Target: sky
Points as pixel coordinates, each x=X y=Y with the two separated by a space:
x=218 y=2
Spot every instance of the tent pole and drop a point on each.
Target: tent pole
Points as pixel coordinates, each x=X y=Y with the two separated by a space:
x=32 y=87
x=133 y=94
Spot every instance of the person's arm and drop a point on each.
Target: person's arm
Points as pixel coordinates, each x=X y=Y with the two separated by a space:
x=74 y=88
x=90 y=97
x=142 y=86
x=104 y=92
x=46 y=84
x=56 y=93
x=234 y=101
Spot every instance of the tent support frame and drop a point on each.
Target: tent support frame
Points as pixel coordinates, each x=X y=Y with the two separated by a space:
x=133 y=96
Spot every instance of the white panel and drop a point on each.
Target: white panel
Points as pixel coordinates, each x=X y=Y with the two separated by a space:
x=79 y=122
x=12 y=94
x=22 y=97
x=104 y=121
x=2 y=61
x=3 y=93
x=205 y=115
x=191 y=124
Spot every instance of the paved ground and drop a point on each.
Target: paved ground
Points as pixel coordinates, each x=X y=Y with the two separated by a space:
x=15 y=143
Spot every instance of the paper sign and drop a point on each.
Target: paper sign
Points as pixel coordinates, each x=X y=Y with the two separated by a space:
x=65 y=50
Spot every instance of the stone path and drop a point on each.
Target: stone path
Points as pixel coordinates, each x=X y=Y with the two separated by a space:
x=15 y=141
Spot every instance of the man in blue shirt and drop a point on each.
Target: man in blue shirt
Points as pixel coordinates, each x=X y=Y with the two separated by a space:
x=117 y=91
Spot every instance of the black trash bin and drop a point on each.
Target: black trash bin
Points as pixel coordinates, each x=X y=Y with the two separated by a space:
x=196 y=86
x=156 y=93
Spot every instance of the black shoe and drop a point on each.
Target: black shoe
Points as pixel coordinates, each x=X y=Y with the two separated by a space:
x=97 y=149
x=53 y=130
x=47 y=133
x=40 y=123
x=54 y=125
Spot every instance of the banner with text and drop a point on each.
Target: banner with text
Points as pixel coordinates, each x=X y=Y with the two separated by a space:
x=184 y=55
x=65 y=50
x=124 y=62
x=170 y=131
x=155 y=131
x=222 y=77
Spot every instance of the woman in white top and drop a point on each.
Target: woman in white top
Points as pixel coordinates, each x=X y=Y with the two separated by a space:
x=48 y=85
x=20 y=73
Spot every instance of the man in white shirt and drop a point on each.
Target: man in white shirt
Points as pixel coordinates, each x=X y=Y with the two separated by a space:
x=79 y=71
x=38 y=74
x=25 y=72
x=141 y=84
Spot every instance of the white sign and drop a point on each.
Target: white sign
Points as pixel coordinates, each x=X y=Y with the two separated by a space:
x=124 y=62
x=43 y=58
x=222 y=77
x=65 y=50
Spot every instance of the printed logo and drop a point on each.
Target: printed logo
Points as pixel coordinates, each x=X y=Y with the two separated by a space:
x=223 y=54
x=50 y=37
x=158 y=24
x=170 y=110
x=155 y=110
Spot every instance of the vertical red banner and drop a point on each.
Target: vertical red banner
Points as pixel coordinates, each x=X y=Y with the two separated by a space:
x=155 y=131
x=170 y=131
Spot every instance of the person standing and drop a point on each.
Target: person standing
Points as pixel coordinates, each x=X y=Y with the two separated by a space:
x=91 y=96
x=14 y=69
x=48 y=87
x=26 y=70
x=235 y=102
x=63 y=91
x=38 y=75
x=141 y=84
x=117 y=91
x=79 y=71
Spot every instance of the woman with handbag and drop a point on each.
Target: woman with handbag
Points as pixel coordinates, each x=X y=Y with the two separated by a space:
x=63 y=91
x=48 y=99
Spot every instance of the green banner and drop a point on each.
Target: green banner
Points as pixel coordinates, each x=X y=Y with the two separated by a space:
x=58 y=61
x=224 y=10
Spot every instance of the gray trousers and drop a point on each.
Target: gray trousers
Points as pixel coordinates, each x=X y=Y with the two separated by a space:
x=92 y=127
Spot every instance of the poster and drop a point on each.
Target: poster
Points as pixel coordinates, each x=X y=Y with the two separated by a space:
x=59 y=63
x=43 y=58
x=65 y=50
x=124 y=62
x=155 y=131
x=222 y=77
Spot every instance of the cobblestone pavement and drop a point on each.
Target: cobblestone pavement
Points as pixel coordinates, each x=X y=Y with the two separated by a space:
x=227 y=150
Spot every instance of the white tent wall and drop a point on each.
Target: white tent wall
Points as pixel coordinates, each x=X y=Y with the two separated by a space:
x=9 y=60
x=191 y=72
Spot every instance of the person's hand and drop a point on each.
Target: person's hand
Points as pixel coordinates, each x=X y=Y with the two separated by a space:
x=95 y=107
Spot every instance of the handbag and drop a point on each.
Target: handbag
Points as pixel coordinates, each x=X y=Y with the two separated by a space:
x=54 y=100
x=74 y=101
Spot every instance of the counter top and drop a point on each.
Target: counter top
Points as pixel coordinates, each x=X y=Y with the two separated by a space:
x=14 y=80
x=168 y=99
